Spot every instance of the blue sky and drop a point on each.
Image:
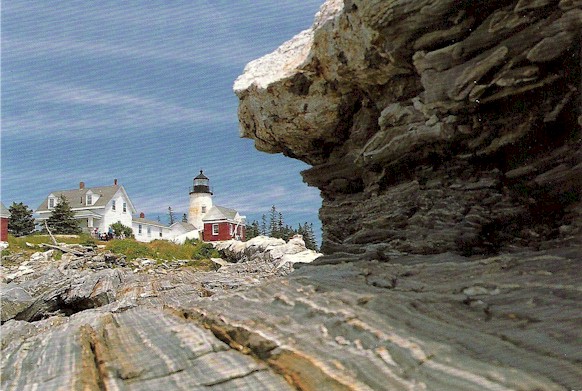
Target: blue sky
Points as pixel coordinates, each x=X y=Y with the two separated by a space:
x=142 y=92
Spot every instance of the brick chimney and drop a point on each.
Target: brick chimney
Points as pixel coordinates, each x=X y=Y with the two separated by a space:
x=115 y=182
x=81 y=185
x=142 y=215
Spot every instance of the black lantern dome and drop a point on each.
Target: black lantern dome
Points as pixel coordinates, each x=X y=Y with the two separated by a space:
x=201 y=184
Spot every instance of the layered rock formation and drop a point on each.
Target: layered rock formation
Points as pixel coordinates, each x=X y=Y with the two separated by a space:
x=419 y=322
x=431 y=126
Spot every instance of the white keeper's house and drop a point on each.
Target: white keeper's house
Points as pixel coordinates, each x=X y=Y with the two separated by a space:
x=94 y=207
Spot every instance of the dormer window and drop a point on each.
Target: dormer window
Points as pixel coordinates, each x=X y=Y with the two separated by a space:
x=89 y=199
x=51 y=203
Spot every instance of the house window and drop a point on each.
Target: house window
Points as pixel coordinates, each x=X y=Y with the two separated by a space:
x=149 y=231
x=203 y=209
x=51 y=203
x=113 y=205
x=214 y=229
x=160 y=232
x=139 y=229
x=89 y=199
x=124 y=207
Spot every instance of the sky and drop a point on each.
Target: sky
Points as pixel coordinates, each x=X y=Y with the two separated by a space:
x=141 y=91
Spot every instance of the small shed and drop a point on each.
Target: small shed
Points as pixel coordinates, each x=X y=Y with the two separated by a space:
x=4 y=218
x=222 y=223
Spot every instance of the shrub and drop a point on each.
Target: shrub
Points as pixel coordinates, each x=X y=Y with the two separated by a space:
x=132 y=249
x=164 y=249
x=119 y=229
x=205 y=251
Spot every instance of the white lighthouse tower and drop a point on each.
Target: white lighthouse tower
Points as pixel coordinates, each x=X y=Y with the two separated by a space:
x=200 y=200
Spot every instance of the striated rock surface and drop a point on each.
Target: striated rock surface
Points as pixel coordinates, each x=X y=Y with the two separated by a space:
x=431 y=126
x=443 y=322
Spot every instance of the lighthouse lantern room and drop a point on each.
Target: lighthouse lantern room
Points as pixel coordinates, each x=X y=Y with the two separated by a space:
x=200 y=200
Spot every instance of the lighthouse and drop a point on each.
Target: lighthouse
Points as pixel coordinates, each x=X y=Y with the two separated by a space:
x=200 y=200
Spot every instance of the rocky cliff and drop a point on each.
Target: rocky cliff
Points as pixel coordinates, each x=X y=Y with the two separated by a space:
x=431 y=125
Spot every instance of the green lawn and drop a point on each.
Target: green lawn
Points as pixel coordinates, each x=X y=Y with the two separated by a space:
x=198 y=253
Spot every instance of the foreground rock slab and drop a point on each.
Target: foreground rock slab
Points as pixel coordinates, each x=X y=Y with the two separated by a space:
x=416 y=322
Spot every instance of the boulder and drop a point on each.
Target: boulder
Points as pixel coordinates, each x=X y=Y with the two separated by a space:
x=273 y=253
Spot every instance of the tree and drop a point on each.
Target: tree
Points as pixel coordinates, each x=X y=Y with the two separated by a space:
x=171 y=214
x=288 y=233
x=62 y=219
x=252 y=230
x=264 y=225
x=273 y=232
x=21 y=221
x=309 y=236
x=280 y=226
x=120 y=229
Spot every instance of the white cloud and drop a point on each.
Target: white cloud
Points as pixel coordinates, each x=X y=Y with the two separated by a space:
x=177 y=52
x=97 y=112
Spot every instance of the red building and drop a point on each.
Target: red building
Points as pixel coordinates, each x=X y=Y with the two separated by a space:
x=222 y=223
x=4 y=217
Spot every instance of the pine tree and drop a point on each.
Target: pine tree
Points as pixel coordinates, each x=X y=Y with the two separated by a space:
x=252 y=230
x=249 y=231
x=273 y=222
x=288 y=233
x=62 y=219
x=264 y=225
x=280 y=226
x=21 y=221
x=300 y=230
x=309 y=237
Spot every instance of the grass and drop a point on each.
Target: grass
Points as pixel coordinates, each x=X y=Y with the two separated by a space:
x=197 y=253
x=162 y=250
x=19 y=244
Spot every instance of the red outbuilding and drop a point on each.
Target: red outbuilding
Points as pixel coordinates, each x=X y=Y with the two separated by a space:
x=4 y=218
x=222 y=223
